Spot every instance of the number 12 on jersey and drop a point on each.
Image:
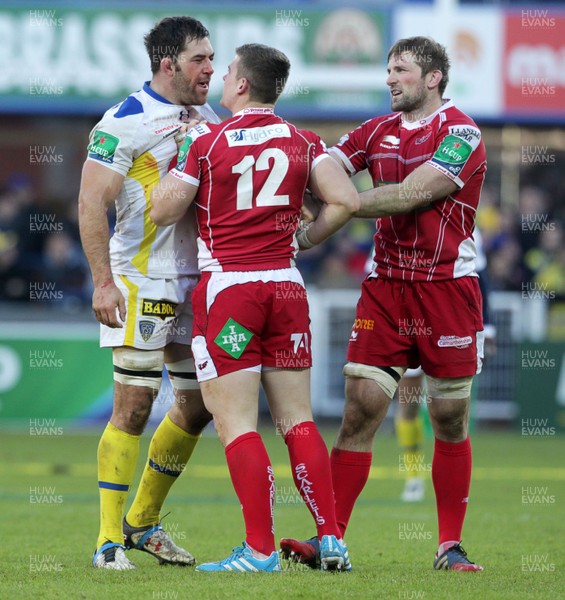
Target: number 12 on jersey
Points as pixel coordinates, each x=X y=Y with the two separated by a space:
x=267 y=195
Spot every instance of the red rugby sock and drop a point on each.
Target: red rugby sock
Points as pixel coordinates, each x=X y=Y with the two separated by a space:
x=312 y=475
x=254 y=483
x=451 y=475
x=350 y=471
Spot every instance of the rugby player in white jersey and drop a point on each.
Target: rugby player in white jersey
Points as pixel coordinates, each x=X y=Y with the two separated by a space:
x=143 y=276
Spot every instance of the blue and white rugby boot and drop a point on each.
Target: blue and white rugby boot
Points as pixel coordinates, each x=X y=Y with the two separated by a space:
x=333 y=554
x=112 y=556
x=241 y=560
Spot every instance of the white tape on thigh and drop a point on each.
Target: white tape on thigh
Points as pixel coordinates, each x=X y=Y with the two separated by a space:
x=138 y=367
x=183 y=374
x=455 y=388
x=385 y=380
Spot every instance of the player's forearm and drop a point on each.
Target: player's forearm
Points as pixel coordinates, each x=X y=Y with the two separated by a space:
x=388 y=200
x=331 y=218
x=95 y=238
x=169 y=201
x=422 y=187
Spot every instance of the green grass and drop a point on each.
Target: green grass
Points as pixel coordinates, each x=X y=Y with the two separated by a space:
x=46 y=548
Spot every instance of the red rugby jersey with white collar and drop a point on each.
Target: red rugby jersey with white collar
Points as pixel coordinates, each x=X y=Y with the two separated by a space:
x=434 y=243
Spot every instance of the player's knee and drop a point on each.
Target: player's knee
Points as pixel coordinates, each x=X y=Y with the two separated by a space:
x=188 y=411
x=454 y=429
x=449 y=407
x=182 y=375
x=386 y=378
x=141 y=368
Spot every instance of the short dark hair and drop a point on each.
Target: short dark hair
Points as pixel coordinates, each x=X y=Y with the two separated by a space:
x=170 y=36
x=266 y=69
x=428 y=54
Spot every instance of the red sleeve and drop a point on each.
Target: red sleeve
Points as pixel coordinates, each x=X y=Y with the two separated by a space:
x=352 y=147
x=188 y=167
x=318 y=149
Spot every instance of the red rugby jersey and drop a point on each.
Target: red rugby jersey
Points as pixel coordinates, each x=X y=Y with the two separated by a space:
x=252 y=171
x=433 y=243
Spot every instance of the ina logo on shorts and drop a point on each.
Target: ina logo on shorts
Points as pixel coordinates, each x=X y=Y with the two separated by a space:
x=233 y=338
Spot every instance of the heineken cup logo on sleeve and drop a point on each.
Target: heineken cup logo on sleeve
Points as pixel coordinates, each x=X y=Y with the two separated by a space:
x=452 y=154
x=103 y=147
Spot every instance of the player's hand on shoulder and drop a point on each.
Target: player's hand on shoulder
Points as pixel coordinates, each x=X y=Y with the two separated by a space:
x=109 y=305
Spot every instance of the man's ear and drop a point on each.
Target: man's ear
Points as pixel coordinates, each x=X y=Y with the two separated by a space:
x=243 y=86
x=167 y=66
x=434 y=78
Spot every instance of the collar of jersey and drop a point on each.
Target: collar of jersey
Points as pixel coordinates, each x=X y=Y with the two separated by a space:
x=417 y=124
x=252 y=110
x=154 y=94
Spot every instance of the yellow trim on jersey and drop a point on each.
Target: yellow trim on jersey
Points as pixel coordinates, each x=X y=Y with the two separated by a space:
x=146 y=172
x=131 y=318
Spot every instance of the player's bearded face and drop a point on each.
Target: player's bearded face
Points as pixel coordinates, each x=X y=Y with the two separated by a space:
x=408 y=91
x=193 y=71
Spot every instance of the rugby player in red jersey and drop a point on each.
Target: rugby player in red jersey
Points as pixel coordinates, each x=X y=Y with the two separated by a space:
x=247 y=178
x=421 y=303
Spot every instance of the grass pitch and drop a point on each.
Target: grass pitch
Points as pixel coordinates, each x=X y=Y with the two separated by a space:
x=514 y=527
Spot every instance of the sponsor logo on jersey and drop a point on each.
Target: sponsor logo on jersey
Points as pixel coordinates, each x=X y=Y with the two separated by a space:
x=184 y=116
x=368 y=324
x=467 y=132
x=191 y=135
x=163 y=309
x=391 y=139
x=183 y=152
x=166 y=128
x=103 y=147
x=454 y=341
x=146 y=329
x=233 y=338
x=253 y=136
x=452 y=154
x=423 y=139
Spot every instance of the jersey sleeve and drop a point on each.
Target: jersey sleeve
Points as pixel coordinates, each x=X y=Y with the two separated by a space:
x=318 y=151
x=351 y=149
x=114 y=141
x=188 y=167
x=459 y=153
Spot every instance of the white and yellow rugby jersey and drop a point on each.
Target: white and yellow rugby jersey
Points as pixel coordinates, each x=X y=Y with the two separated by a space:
x=137 y=139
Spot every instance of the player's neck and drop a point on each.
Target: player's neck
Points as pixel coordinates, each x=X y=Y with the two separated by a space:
x=164 y=89
x=430 y=106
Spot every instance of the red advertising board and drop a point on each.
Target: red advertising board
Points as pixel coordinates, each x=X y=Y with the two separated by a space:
x=534 y=62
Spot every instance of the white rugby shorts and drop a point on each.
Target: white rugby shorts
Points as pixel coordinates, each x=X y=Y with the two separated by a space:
x=159 y=311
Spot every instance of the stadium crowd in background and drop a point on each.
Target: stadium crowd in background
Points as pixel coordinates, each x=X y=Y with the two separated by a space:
x=517 y=253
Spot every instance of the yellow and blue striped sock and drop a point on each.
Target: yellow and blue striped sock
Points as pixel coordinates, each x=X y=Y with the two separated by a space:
x=169 y=451
x=117 y=459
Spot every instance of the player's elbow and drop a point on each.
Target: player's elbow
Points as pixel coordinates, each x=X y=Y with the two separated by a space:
x=159 y=218
x=351 y=202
